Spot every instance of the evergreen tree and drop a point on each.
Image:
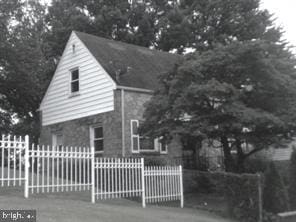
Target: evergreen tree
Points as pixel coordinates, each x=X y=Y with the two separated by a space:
x=237 y=88
x=242 y=92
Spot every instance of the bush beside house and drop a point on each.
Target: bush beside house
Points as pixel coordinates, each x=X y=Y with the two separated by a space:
x=292 y=181
x=275 y=197
x=238 y=193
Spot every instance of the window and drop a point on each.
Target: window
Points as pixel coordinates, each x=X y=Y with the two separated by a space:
x=57 y=140
x=73 y=48
x=135 y=138
x=140 y=143
x=97 y=139
x=74 y=81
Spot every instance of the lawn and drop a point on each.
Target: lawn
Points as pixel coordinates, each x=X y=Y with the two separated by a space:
x=76 y=206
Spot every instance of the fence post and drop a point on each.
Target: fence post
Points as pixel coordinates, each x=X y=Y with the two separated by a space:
x=27 y=163
x=181 y=187
x=260 y=197
x=143 y=183
x=93 y=175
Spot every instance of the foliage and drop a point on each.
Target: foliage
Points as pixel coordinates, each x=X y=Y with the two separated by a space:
x=238 y=93
x=240 y=192
x=33 y=37
x=292 y=180
x=275 y=198
x=24 y=71
x=154 y=161
x=243 y=196
x=237 y=88
x=166 y=25
x=256 y=165
x=269 y=217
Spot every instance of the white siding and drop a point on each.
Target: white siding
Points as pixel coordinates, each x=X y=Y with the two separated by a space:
x=95 y=87
x=282 y=154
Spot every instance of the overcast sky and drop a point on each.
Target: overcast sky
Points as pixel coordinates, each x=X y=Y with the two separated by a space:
x=284 y=11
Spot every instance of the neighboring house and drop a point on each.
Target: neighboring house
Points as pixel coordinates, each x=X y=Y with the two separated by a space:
x=282 y=154
x=97 y=95
x=278 y=154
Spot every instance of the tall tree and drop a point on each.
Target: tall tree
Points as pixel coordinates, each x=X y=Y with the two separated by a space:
x=23 y=68
x=238 y=93
x=8 y=9
x=113 y=19
x=166 y=25
x=202 y=24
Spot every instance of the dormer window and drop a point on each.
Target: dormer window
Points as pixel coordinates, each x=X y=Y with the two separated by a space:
x=74 y=81
x=73 y=48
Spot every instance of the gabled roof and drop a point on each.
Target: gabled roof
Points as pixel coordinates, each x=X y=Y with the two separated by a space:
x=129 y=65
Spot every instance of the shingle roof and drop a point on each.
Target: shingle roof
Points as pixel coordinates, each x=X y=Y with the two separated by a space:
x=135 y=66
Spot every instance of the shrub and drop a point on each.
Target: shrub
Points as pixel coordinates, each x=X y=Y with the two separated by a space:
x=274 y=195
x=269 y=217
x=242 y=196
x=256 y=165
x=283 y=169
x=154 y=161
x=239 y=191
x=205 y=184
x=292 y=180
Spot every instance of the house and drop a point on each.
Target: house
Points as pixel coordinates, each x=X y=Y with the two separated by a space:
x=277 y=153
x=97 y=95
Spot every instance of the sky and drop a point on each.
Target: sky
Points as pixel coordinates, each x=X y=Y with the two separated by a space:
x=284 y=12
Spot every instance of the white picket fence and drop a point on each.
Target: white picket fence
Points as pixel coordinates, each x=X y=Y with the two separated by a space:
x=163 y=183
x=117 y=177
x=64 y=169
x=12 y=157
x=59 y=169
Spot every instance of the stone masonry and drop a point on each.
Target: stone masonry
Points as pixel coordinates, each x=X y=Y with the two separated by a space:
x=77 y=132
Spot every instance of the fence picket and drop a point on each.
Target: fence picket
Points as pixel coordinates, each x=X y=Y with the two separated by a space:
x=67 y=168
x=43 y=156
x=8 y=160
x=14 y=160
x=2 y=166
x=48 y=163
x=20 y=160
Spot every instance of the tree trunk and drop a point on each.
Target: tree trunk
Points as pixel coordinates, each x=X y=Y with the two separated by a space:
x=228 y=159
x=240 y=157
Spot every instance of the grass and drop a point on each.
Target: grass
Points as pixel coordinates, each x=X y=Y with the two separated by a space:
x=76 y=206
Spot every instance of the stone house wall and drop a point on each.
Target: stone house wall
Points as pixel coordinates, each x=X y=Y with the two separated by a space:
x=134 y=103
x=77 y=132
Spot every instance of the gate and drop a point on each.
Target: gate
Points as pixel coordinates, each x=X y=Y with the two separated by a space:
x=12 y=160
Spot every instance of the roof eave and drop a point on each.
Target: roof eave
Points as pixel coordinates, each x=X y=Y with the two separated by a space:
x=149 y=91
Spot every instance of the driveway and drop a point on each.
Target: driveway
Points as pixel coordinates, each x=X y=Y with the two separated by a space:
x=76 y=207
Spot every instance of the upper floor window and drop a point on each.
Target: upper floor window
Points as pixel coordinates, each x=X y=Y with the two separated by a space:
x=74 y=80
